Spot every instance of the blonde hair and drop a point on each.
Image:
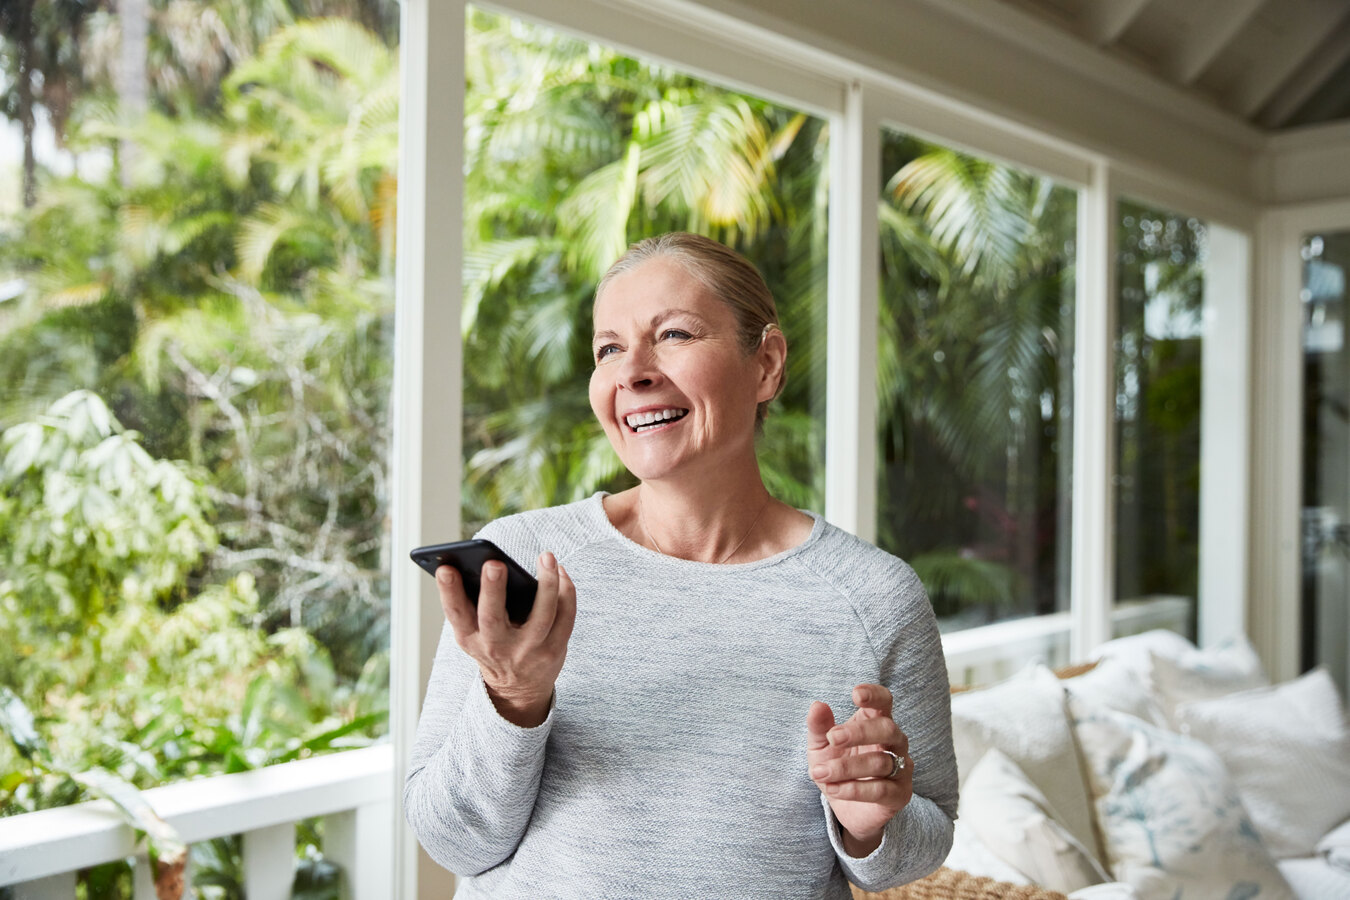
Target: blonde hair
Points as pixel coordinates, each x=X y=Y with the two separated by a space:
x=725 y=274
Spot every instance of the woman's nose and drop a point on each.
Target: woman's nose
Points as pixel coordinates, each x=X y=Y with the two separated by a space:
x=638 y=370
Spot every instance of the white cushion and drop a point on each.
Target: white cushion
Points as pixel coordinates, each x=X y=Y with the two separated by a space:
x=1117 y=685
x=1313 y=879
x=1288 y=750
x=1136 y=651
x=1226 y=668
x=969 y=854
x=1011 y=817
x=1111 y=890
x=1024 y=717
x=1334 y=847
x=1171 y=819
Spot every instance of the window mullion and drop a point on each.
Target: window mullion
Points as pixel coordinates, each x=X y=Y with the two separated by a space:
x=1224 y=410
x=851 y=358
x=427 y=407
x=1092 y=592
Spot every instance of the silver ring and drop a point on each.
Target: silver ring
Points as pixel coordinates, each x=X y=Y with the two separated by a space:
x=897 y=763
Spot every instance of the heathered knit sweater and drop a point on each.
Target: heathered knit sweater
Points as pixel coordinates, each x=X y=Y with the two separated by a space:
x=673 y=762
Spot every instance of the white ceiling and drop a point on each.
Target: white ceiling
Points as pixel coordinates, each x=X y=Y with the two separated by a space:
x=1274 y=63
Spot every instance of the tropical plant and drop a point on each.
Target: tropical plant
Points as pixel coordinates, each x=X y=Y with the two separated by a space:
x=974 y=377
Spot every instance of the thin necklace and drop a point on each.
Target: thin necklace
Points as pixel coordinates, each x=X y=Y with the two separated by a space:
x=651 y=537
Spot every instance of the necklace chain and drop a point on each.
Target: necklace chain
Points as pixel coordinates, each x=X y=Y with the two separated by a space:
x=651 y=537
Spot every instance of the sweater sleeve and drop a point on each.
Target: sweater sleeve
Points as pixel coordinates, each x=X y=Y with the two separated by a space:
x=905 y=637
x=474 y=776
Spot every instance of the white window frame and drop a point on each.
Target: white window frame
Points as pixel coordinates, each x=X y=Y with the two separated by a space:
x=857 y=100
x=1277 y=449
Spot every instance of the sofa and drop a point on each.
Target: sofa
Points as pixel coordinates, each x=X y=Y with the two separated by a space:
x=1159 y=770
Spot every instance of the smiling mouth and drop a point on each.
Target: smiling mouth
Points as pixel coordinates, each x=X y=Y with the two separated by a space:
x=646 y=421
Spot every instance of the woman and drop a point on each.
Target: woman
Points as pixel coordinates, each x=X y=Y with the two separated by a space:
x=688 y=747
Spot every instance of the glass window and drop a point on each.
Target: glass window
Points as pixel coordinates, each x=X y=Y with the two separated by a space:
x=196 y=296
x=1326 y=449
x=1161 y=278
x=975 y=372
x=572 y=152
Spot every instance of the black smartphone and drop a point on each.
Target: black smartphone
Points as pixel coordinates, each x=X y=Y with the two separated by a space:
x=468 y=557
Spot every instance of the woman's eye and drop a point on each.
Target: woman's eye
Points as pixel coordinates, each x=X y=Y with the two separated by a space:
x=675 y=334
x=605 y=351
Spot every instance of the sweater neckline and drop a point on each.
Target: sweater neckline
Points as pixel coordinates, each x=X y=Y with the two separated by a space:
x=596 y=508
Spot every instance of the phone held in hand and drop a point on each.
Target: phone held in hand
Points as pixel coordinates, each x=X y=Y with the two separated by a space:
x=468 y=558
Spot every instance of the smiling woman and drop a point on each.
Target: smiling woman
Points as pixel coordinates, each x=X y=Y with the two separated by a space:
x=696 y=703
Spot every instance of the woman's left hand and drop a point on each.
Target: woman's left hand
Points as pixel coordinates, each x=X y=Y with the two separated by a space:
x=848 y=764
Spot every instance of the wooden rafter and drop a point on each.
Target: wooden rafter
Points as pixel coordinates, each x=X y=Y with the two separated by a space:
x=1329 y=57
x=1208 y=39
x=1301 y=37
x=1104 y=21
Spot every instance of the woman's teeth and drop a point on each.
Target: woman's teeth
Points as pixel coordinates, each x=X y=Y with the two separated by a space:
x=647 y=420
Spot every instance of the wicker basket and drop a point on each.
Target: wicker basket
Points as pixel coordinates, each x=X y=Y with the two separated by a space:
x=953 y=884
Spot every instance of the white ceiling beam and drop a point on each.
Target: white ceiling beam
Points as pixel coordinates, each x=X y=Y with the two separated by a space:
x=1325 y=61
x=1300 y=38
x=1105 y=20
x=1207 y=39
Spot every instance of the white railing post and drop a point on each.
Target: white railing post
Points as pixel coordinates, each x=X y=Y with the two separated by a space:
x=361 y=842
x=53 y=887
x=142 y=880
x=269 y=862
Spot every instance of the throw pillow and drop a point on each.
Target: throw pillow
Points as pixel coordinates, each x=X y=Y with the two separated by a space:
x=1024 y=717
x=1115 y=684
x=1288 y=750
x=969 y=854
x=1136 y=651
x=1011 y=817
x=1226 y=668
x=1334 y=847
x=1171 y=819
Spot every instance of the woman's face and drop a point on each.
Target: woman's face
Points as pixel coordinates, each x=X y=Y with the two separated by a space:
x=672 y=387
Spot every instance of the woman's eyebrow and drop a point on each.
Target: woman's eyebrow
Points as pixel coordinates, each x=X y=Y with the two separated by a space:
x=607 y=335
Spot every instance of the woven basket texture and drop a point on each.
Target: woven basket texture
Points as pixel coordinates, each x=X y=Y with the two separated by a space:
x=953 y=884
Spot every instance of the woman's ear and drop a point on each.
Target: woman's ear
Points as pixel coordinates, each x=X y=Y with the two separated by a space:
x=772 y=356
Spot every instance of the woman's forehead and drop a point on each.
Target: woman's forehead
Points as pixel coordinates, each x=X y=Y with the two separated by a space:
x=654 y=286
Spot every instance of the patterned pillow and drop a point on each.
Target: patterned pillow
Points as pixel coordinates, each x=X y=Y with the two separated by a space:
x=1171 y=820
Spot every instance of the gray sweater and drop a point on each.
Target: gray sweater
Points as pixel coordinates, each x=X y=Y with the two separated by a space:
x=673 y=761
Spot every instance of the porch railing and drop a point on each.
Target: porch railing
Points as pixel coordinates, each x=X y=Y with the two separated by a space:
x=41 y=852
x=992 y=652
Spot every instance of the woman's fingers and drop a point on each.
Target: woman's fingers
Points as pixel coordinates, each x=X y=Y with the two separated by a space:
x=545 y=609
x=459 y=612
x=862 y=765
x=893 y=792
x=874 y=696
x=819 y=721
x=492 y=620
x=860 y=732
x=565 y=615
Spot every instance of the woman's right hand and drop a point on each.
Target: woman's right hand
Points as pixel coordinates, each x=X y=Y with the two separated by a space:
x=519 y=663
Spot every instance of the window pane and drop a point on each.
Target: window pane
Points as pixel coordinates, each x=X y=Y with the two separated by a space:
x=975 y=381
x=572 y=152
x=196 y=306
x=1161 y=265
x=1326 y=452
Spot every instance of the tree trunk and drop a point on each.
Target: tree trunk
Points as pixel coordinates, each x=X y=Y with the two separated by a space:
x=24 y=39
